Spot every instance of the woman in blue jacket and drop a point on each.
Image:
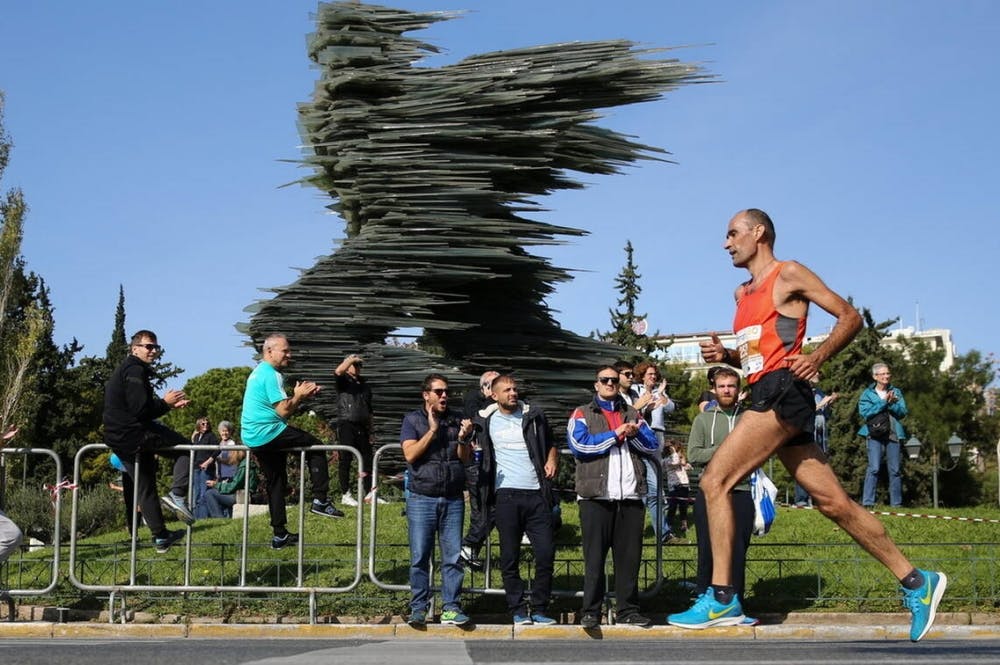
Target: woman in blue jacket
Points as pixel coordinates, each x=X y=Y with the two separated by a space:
x=878 y=397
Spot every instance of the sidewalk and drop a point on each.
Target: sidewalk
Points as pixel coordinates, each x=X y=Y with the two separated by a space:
x=802 y=626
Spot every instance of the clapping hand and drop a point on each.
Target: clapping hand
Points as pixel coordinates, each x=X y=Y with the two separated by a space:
x=176 y=399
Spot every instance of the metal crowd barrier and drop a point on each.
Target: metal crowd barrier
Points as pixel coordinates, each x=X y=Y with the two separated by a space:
x=140 y=583
x=646 y=593
x=134 y=584
x=55 y=488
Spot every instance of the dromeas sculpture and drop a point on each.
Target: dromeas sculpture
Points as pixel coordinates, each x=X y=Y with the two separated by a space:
x=434 y=171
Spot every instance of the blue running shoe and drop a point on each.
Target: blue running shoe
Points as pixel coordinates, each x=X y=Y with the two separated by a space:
x=707 y=612
x=178 y=505
x=522 y=620
x=923 y=602
x=540 y=619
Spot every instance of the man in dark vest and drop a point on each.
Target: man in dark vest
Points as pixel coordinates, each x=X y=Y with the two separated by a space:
x=436 y=443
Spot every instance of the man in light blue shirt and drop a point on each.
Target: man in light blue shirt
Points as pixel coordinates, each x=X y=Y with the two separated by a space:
x=519 y=462
x=266 y=409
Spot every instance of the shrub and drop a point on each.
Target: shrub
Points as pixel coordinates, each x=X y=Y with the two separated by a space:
x=31 y=509
x=99 y=511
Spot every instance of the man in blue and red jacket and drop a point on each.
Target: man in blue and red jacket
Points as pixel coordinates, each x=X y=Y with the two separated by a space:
x=609 y=438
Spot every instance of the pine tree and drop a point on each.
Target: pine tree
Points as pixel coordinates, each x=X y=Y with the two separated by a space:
x=118 y=347
x=627 y=327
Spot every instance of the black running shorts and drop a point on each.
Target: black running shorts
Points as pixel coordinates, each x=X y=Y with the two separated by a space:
x=791 y=400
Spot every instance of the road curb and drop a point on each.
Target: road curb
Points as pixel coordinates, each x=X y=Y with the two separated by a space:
x=789 y=631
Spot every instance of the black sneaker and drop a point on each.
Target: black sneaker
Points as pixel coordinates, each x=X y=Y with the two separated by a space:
x=634 y=620
x=590 y=620
x=163 y=543
x=326 y=509
x=278 y=542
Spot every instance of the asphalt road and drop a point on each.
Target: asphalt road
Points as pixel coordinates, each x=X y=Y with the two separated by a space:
x=456 y=652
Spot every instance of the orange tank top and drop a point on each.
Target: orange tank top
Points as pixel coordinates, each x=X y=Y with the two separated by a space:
x=763 y=335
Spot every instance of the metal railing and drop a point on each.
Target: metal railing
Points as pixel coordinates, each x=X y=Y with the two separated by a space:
x=115 y=589
x=56 y=493
x=487 y=589
x=779 y=573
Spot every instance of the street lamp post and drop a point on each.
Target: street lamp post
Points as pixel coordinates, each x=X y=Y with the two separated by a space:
x=954 y=444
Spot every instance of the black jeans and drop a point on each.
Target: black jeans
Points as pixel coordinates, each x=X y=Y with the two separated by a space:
x=358 y=437
x=677 y=503
x=519 y=512
x=743 y=514
x=481 y=517
x=618 y=526
x=273 y=458
x=159 y=440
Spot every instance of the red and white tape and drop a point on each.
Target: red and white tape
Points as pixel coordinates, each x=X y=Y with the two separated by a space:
x=946 y=518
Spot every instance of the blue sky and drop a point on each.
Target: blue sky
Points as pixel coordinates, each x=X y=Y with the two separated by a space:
x=150 y=139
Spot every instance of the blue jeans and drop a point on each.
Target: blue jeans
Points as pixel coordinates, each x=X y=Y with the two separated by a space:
x=657 y=516
x=427 y=516
x=198 y=489
x=875 y=449
x=215 y=504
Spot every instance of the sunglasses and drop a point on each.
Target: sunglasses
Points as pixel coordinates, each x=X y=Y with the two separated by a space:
x=439 y=391
x=628 y=374
x=150 y=347
x=612 y=380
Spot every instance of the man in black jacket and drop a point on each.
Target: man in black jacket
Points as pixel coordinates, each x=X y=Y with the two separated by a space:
x=480 y=515
x=519 y=462
x=354 y=426
x=131 y=430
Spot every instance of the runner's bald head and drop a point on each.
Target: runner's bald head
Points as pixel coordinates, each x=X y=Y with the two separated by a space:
x=754 y=217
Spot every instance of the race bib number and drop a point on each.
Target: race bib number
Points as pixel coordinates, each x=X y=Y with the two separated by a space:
x=748 y=345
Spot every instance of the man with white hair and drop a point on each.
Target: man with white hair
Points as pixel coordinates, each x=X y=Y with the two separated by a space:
x=881 y=399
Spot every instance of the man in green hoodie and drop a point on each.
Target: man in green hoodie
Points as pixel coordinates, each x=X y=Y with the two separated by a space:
x=708 y=431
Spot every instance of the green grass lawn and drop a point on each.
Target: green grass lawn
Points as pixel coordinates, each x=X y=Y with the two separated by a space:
x=805 y=564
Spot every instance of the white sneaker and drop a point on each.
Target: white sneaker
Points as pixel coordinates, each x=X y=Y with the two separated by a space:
x=371 y=495
x=348 y=500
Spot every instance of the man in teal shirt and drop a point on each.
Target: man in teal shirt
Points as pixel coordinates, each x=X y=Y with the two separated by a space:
x=266 y=409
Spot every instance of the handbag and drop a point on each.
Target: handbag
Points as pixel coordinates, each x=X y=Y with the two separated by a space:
x=764 y=493
x=880 y=426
